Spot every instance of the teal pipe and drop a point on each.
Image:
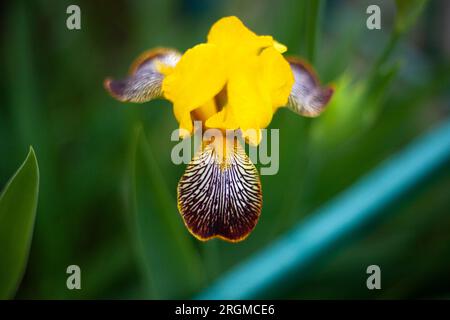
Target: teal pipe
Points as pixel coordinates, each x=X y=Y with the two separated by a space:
x=290 y=254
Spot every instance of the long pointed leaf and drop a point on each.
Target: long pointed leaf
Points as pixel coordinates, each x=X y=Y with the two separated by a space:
x=18 y=203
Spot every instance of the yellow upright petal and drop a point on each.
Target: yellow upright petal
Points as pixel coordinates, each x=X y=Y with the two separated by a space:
x=277 y=77
x=196 y=79
x=233 y=36
x=247 y=95
x=255 y=89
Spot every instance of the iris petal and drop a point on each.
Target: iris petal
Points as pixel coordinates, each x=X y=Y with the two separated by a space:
x=144 y=82
x=307 y=98
x=220 y=196
x=232 y=36
x=196 y=79
x=277 y=77
x=248 y=100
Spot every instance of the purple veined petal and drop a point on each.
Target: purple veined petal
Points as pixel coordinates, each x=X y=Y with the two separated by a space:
x=308 y=98
x=220 y=198
x=144 y=82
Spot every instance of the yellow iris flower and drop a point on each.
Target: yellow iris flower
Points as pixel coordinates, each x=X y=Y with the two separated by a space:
x=251 y=69
x=236 y=80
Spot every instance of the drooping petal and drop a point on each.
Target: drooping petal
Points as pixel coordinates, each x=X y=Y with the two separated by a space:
x=308 y=98
x=146 y=75
x=220 y=196
x=196 y=79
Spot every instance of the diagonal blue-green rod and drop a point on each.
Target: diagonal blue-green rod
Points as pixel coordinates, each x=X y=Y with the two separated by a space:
x=366 y=199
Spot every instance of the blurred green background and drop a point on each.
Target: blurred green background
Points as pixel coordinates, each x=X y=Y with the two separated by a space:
x=107 y=184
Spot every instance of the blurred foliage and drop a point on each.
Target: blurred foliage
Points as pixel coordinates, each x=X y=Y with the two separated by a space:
x=107 y=194
x=166 y=249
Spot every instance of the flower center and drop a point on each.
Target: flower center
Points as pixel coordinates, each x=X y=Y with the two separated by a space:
x=221 y=99
x=212 y=107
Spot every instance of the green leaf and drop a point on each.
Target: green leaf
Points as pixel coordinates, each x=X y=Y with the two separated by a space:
x=302 y=21
x=18 y=203
x=170 y=262
x=313 y=23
